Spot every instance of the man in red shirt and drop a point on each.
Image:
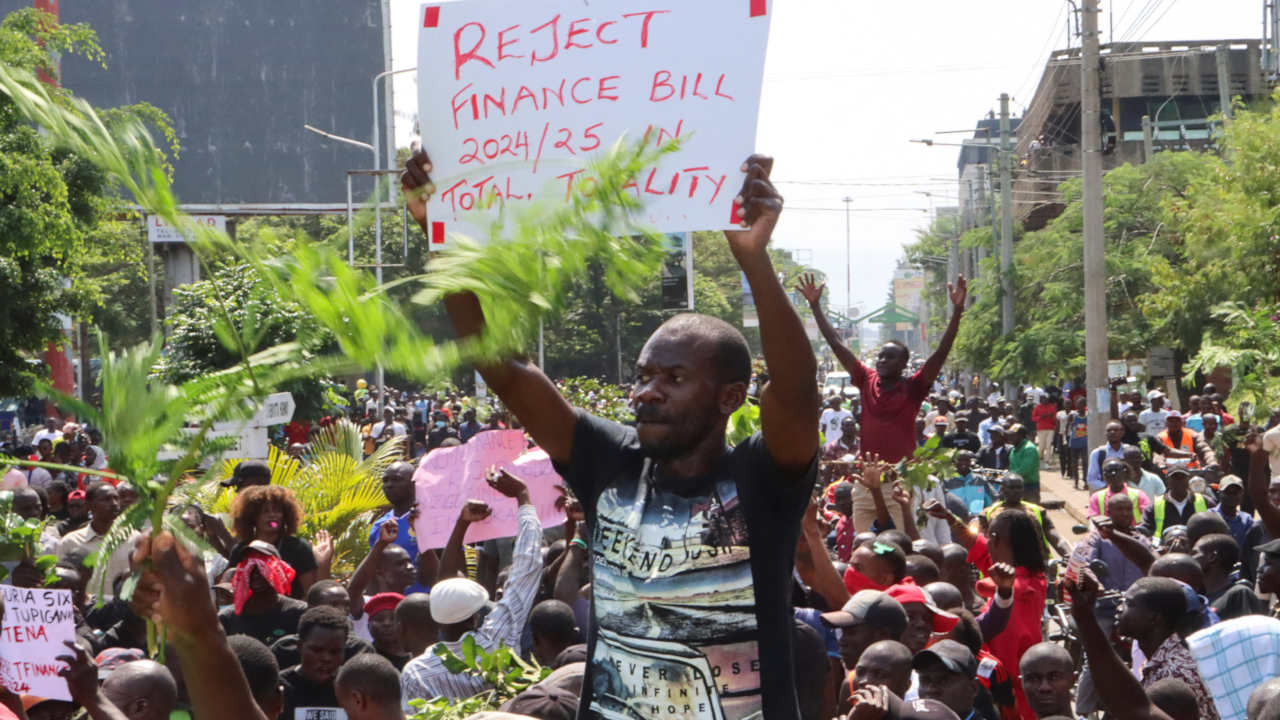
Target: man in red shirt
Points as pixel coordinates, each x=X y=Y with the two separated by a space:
x=890 y=402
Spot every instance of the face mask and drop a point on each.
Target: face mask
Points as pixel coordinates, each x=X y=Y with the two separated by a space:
x=855 y=581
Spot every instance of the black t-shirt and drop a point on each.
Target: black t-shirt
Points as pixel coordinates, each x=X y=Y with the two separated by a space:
x=267 y=627
x=691 y=579
x=961 y=441
x=293 y=550
x=302 y=694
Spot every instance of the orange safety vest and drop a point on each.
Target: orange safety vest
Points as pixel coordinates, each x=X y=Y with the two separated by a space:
x=1187 y=444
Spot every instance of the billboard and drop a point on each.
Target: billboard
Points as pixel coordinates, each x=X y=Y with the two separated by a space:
x=239 y=80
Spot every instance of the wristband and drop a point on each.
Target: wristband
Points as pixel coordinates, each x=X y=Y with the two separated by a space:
x=579 y=542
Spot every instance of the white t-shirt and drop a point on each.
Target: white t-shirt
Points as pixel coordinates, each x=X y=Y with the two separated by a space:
x=1271 y=443
x=830 y=422
x=1035 y=394
x=994 y=398
x=1153 y=420
x=396 y=429
x=52 y=436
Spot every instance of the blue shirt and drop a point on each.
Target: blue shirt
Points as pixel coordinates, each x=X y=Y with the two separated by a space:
x=1238 y=524
x=813 y=618
x=404 y=538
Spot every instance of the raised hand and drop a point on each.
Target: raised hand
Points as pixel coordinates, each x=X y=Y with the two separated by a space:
x=475 y=511
x=759 y=206
x=870 y=703
x=506 y=483
x=937 y=510
x=872 y=472
x=811 y=291
x=388 y=531
x=81 y=673
x=902 y=495
x=958 y=292
x=569 y=505
x=416 y=184
x=1002 y=574
x=1084 y=591
x=322 y=548
x=174 y=590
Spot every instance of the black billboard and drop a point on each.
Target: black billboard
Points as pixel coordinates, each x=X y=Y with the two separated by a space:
x=239 y=79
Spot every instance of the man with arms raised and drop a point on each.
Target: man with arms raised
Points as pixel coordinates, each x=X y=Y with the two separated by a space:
x=691 y=542
x=890 y=401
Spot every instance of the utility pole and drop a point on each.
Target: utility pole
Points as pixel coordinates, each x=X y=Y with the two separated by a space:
x=1224 y=79
x=1148 y=140
x=848 y=258
x=1006 y=228
x=1095 y=266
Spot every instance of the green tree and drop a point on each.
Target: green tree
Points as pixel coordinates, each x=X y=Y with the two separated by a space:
x=232 y=313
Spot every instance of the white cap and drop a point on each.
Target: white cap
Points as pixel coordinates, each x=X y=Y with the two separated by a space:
x=1154 y=394
x=456 y=599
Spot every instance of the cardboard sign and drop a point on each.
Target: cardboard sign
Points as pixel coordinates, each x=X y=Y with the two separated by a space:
x=516 y=98
x=36 y=622
x=449 y=477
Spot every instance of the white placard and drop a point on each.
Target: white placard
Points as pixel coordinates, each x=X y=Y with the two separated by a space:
x=515 y=98
x=36 y=622
x=159 y=231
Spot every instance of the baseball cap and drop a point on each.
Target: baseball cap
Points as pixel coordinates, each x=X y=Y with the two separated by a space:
x=111 y=658
x=76 y=495
x=265 y=548
x=1269 y=548
x=955 y=657
x=546 y=702
x=1177 y=470
x=382 y=601
x=1174 y=415
x=1115 y=464
x=998 y=429
x=906 y=593
x=940 y=420
x=1153 y=394
x=456 y=599
x=871 y=607
x=1230 y=481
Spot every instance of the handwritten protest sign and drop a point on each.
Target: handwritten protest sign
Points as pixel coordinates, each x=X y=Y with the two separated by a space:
x=36 y=622
x=514 y=98
x=451 y=476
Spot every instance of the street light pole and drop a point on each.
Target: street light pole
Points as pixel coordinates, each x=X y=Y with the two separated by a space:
x=1095 y=266
x=848 y=256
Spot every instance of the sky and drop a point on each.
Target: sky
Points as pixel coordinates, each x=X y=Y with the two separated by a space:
x=848 y=84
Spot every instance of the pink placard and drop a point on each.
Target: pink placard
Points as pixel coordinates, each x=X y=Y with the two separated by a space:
x=449 y=477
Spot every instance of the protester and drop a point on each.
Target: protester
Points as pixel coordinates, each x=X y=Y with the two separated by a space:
x=271 y=514
x=1174 y=507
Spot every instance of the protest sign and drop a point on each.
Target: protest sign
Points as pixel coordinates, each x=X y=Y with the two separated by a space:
x=515 y=98
x=36 y=622
x=449 y=477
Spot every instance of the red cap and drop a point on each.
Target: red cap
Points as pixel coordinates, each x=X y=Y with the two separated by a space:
x=382 y=601
x=75 y=495
x=908 y=592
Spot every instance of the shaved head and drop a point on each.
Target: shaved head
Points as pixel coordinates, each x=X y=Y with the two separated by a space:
x=1049 y=654
x=142 y=689
x=1179 y=566
x=731 y=355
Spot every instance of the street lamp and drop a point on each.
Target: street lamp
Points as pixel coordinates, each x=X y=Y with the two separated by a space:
x=848 y=262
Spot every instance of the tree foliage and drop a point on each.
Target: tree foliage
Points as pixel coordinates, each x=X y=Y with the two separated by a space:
x=1192 y=258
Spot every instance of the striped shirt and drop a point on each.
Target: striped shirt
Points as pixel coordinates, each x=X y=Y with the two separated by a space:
x=426 y=677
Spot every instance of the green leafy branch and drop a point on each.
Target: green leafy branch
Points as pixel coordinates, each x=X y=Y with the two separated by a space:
x=502 y=669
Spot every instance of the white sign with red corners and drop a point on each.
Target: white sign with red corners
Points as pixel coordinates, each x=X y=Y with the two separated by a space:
x=515 y=99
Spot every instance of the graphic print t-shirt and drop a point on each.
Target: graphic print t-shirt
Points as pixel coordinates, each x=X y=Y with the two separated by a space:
x=691 y=580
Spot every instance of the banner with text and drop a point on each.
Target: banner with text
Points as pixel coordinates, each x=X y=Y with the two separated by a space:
x=36 y=622
x=515 y=98
x=449 y=477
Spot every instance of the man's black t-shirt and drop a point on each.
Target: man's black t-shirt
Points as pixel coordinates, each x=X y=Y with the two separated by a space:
x=267 y=627
x=961 y=441
x=691 y=580
x=287 y=653
x=305 y=700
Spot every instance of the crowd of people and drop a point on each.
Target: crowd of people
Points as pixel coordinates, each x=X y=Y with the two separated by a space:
x=783 y=577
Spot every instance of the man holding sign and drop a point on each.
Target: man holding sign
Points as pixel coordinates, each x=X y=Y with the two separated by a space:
x=692 y=542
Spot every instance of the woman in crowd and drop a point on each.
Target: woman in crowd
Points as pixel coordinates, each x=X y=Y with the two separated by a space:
x=271 y=513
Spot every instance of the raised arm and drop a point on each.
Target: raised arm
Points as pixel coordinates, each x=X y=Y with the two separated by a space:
x=1120 y=692
x=521 y=385
x=788 y=420
x=175 y=593
x=812 y=293
x=933 y=365
x=820 y=574
x=1259 y=482
x=81 y=673
x=453 y=561
x=368 y=567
